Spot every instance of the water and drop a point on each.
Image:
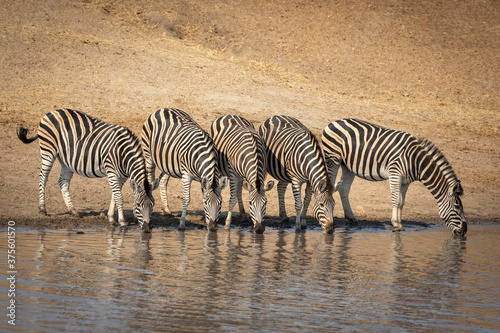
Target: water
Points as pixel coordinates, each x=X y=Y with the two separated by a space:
x=234 y=281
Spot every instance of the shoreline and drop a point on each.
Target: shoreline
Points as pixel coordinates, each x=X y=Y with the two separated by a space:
x=194 y=221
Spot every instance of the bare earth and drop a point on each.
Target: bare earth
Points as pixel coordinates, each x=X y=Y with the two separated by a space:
x=428 y=68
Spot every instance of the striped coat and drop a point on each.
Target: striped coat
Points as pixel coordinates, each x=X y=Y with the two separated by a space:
x=92 y=148
x=242 y=159
x=376 y=153
x=175 y=144
x=295 y=156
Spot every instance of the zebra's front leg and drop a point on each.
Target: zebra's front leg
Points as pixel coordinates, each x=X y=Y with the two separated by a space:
x=239 y=190
x=307 y=201
x=116 y=184
x=64 y=181
x=163 y=193
x=186 y=197
x=111 y=210
x=281 y=187
x=233 y=185
x=398 y=193
x=299 y=225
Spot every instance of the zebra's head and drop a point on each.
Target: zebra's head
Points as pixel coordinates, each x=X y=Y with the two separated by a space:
x=324 y=205
x=453 y=211
x=143 y=204
x=212 y=199
x=258 y=202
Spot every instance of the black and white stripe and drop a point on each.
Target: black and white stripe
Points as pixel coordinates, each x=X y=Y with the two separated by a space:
x=242 y=159
x=375 y=153
x=180 y=148
x=92 y=148
x=294 y=156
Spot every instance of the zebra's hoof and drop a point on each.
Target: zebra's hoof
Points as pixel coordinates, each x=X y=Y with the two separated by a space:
x=73 y=213
x=43 y=213
x=299 y=230
x=398 y=229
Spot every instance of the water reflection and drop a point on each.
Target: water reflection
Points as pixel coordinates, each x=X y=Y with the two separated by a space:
x=235 y=280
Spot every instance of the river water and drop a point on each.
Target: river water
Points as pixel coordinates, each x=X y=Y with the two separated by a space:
x=368 y=279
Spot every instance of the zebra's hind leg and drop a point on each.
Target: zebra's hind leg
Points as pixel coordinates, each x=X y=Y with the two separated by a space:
x=64 y=181
x=281 y=187
x=239 y=190
x=344 y=189
x=398 y=193
x=299 y=224
x=47 y=162
x=163 y=193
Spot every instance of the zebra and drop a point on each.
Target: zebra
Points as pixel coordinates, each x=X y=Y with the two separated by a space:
x=294 y=155
x=180 y=148
x=242 y=159
x=376 y=153
x=92 y=148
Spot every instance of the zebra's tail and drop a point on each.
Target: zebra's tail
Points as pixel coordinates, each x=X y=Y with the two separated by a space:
x=21 y=134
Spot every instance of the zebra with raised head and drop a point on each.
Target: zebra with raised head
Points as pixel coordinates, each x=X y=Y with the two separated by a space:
x=294 y=156
x=242 y=159
x=92 y=148
x=180 y=148
x=376 y=153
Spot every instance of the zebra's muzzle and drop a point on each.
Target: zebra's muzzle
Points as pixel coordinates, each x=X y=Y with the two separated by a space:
x=212 y=226
x=462 y=231
x=259 y=228
x=328 y=227
x=145 y=227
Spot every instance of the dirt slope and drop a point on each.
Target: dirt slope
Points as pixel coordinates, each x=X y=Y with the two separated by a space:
x=429 y=68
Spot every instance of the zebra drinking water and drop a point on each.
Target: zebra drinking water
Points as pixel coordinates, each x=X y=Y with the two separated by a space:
x=242 y=158
x=375 y=153
x=294 y=156
x=92 y=148
x=180 y=148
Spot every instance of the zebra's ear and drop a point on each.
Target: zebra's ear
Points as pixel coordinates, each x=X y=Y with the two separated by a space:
x=269 y=186
x=156 y=183
x=322 y=186
x=133 y=185
x=247 y=186
x=457 y=189
x=223 y=183
x=205 y=183
x=336 y=186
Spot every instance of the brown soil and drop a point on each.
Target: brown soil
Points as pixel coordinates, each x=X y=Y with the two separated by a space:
x=430 y=68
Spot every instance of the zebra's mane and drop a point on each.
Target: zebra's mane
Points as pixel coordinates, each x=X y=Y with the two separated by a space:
x=137 y=141
x=441 y=161
x=316 y=141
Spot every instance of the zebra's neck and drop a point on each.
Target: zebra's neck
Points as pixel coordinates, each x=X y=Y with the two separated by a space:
x=435 y=172
x=134 y=162
x=315 y=168
x=207 y=166
x=254 y=170
x=317 y=175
